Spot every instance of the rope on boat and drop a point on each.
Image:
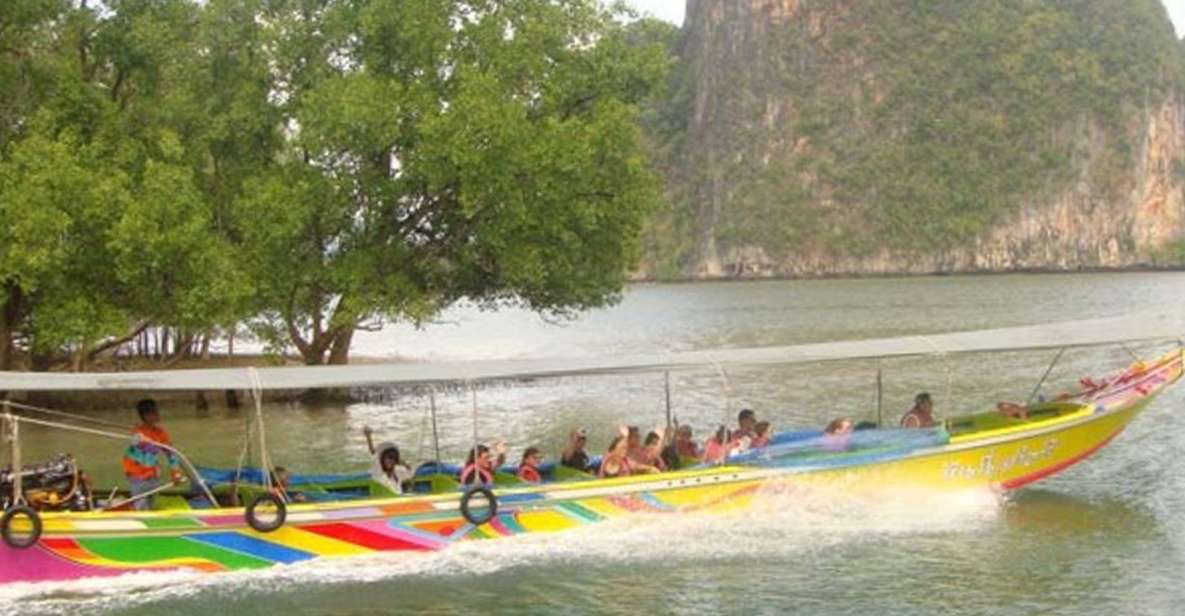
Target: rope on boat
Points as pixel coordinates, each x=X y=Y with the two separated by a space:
x=265 y=459
x=65 y=415
x=727 y=393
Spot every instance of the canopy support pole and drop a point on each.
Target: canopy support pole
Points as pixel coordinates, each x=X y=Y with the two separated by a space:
x=667 y=391
x=1044 y=377
x=14 y=434
x=435 y=433
x=880 y=396
x=727 y=393
x=476 y=441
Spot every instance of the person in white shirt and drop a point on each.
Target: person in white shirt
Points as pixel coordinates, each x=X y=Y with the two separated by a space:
x=387 y=468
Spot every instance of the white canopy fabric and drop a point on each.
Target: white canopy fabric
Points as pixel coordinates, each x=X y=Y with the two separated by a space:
x=1143 y=327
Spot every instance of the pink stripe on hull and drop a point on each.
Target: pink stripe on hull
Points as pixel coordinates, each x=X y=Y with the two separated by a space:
x=381 y=527
x=38 y=564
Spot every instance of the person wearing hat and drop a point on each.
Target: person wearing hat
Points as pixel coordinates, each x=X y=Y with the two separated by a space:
x=922 y=413
x=574 y=455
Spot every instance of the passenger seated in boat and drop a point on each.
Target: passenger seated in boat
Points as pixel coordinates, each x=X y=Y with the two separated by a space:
x=574 y=455
x=141 y=460
x=684 y=445
x=922 y=413
x=716 y=449
x=616 y=463
x=479 y=467
x=652 y=452
x=1013 y=410
x=837 y=434
x=528 y=469
x=680 y=450
x=633 y=444
x=746 y=426
x=280 y=482
x=387 y=467
x=764 y=432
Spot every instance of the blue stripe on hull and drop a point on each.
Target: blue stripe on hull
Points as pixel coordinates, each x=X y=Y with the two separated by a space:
x=252 y=546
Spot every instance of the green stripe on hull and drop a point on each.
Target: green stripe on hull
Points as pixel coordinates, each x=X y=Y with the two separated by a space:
x=149 y=550
x=171 y=523
x=579 y=511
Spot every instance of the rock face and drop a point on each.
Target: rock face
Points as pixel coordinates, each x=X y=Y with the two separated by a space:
x=833 y=137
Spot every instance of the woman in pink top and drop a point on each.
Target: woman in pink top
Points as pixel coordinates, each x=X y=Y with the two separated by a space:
x=716 y=449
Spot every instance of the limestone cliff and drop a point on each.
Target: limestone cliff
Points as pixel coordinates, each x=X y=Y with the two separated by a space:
x=819 y=137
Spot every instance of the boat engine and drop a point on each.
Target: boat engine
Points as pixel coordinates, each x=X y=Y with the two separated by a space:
x=55 y=485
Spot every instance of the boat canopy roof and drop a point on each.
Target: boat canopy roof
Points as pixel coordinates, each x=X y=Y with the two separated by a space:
x=1142 y=327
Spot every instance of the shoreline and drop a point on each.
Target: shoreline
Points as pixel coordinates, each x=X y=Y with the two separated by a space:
x=786 y=277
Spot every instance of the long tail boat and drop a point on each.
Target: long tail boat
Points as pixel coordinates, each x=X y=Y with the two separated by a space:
x=982 y=450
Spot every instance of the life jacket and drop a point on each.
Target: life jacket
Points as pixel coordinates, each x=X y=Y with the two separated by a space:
x=484 y=475
x=529 y=474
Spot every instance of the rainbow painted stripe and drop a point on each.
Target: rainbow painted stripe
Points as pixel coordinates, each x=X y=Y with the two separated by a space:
x=1011 y=454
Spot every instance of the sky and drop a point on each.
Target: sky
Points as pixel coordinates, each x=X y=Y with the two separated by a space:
x=672 y=10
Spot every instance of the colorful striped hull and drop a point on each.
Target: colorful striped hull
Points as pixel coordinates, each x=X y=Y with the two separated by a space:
x=79 y=545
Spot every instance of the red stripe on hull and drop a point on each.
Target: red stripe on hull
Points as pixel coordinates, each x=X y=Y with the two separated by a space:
x=362 y=537
x=1013 y=484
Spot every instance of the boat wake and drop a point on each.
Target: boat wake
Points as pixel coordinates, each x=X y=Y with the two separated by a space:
x=795 y=522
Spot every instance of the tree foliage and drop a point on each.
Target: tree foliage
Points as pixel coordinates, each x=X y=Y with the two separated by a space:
x=311 y=166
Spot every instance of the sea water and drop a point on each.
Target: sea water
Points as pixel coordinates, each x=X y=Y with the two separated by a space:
x=1106 y=536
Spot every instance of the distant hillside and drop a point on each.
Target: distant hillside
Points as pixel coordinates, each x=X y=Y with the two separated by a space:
x=816 y=137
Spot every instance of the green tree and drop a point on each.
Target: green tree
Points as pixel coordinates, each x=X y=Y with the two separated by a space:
x=441 y=150
x=105 y=181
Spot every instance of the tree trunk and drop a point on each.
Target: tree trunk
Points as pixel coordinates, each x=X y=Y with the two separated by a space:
x=183 y=342
x=10 y=318
x=115 y=343
x=339 y=352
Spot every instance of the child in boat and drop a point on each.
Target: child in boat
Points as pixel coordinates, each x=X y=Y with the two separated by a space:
x=716 y=449
x=387 y=468
x=764 y=432
x=141 y=460
x=528 y=469
x=479 y=466
x=922 y=413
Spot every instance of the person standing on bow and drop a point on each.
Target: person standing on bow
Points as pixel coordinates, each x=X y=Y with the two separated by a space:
x=141 y=460
x=387 y=468
x=922 y=413
x=479 y=466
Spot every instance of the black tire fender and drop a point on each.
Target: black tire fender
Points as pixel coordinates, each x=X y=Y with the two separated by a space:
x=266 y=527
x=489 y=495
x=6 y=527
